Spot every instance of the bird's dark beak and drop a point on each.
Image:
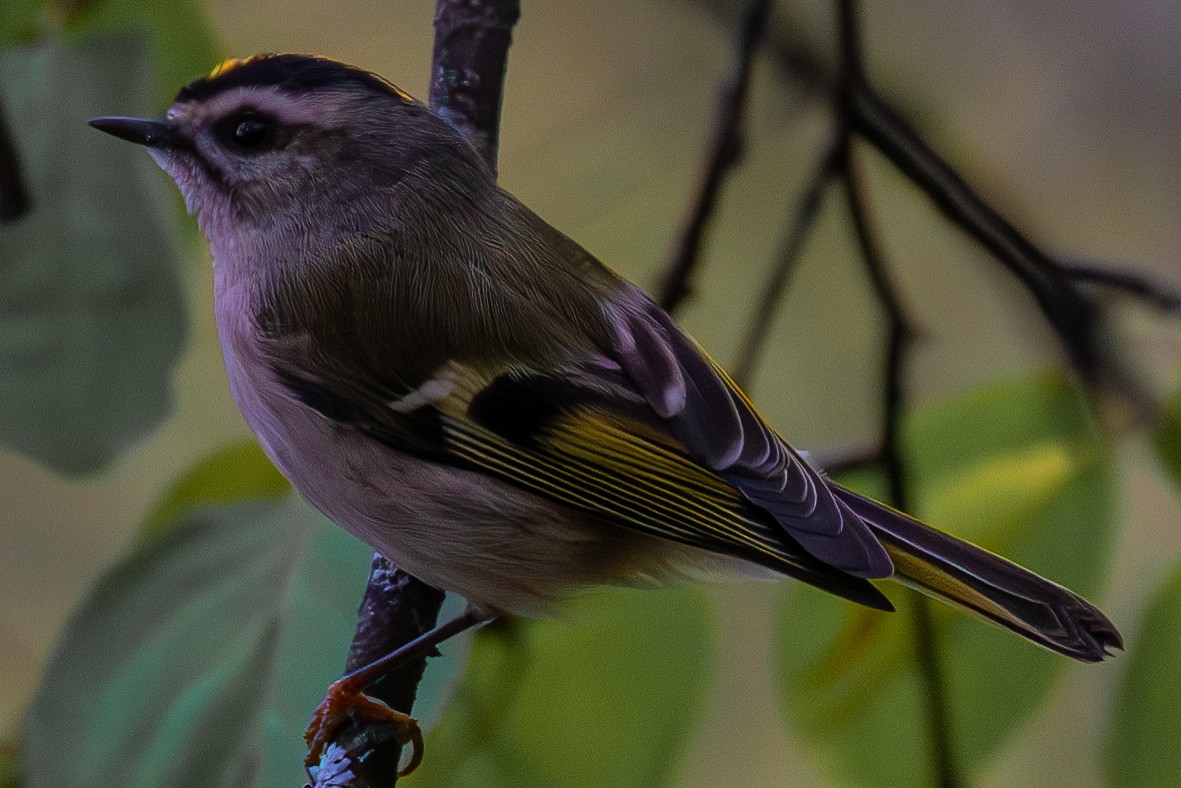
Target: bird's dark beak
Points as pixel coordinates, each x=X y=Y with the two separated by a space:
x=142 y=131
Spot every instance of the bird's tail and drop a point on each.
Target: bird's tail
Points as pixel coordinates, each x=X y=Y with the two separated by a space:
x=964 y=575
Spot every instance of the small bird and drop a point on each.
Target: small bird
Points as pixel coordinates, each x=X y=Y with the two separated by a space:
x=459 y=384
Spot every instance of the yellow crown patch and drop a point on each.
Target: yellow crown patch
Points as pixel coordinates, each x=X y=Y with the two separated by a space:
x=228 y=65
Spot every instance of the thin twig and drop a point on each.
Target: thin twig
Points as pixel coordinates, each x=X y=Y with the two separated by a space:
x=1076 y=318
x=1073 y=315
x=468 y=69
x=804 y=216
x=899 y=340
x=14 y=197
x=724 y=150
x=793 y=56
x=1142 y=287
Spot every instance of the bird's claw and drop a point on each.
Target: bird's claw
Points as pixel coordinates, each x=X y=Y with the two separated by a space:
x=342 y=701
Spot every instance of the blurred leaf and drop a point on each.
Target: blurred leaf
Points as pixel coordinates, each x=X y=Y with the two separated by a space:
x=1167 y=438
x=608 y=696
x=198 y=660
x=1144 y=751
x=239 y=472
x=9 y=763
x=1016 y=468
x=19 y=21
x=183 y=45
x=91 y=310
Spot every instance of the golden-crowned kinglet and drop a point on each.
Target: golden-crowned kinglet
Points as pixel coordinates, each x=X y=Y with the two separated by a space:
x=473 y=394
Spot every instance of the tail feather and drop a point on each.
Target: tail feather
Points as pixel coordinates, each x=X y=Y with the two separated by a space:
x=995 y=588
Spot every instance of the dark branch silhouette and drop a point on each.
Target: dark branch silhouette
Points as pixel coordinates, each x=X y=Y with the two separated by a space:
x=469 y=66
x=899 y=340
x=468 y=69
x=1076 y=318
x=803 y=217
x=725 y=148
x=1129 y=283
x=14 y=197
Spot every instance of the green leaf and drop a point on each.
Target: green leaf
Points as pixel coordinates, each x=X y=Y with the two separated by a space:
x=1144 y=751
x=91 y=309
x=1167 y=438
x=182 y=42
x=198 y=660
x=1016 y=468
x=238 y=472
x=607 y=696
x=19 y=21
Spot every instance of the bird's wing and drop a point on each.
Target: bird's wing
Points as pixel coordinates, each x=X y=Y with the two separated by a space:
x=715 y=422
x=581 y=438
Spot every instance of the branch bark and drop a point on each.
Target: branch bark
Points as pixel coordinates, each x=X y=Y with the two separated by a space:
x=468 y=70
x=467 y=78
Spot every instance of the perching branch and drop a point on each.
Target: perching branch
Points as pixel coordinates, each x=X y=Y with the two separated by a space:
x=14 y=197
x=725 y=149
x=467 y=78
x=396 y=609
x=468 y=68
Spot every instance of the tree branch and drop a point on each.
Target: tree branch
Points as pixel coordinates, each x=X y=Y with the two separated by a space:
x=804 y=216
x=14 y=197
x=1074 y=316
x=468 y=69
x=396 y=609
x=467 y=79
x=899 y=340
x=1137 y=285
x=723 y=153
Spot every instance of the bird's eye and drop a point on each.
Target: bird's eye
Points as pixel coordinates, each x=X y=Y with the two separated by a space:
x=248 y=132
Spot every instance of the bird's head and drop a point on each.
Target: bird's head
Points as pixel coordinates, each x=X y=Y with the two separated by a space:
x=295 y=144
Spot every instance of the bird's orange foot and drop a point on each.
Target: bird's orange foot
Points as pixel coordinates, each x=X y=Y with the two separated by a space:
x=343 y=701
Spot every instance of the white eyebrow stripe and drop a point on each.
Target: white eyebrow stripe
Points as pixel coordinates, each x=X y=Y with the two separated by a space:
x=428 y=393
x=310 y=109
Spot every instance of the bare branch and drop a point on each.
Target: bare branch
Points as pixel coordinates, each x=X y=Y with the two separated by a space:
x=467 y=79
x=722 y=154
x=899 y=340
x=793 y=56
x=14 y=197
x=1074 y=316
x=1137 y=285
x=802 y=220
x=395 y=610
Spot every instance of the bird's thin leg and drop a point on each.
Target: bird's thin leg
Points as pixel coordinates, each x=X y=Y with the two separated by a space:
x=346 y=695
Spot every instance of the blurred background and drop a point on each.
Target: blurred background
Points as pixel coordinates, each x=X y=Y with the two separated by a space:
x=1064 y=115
